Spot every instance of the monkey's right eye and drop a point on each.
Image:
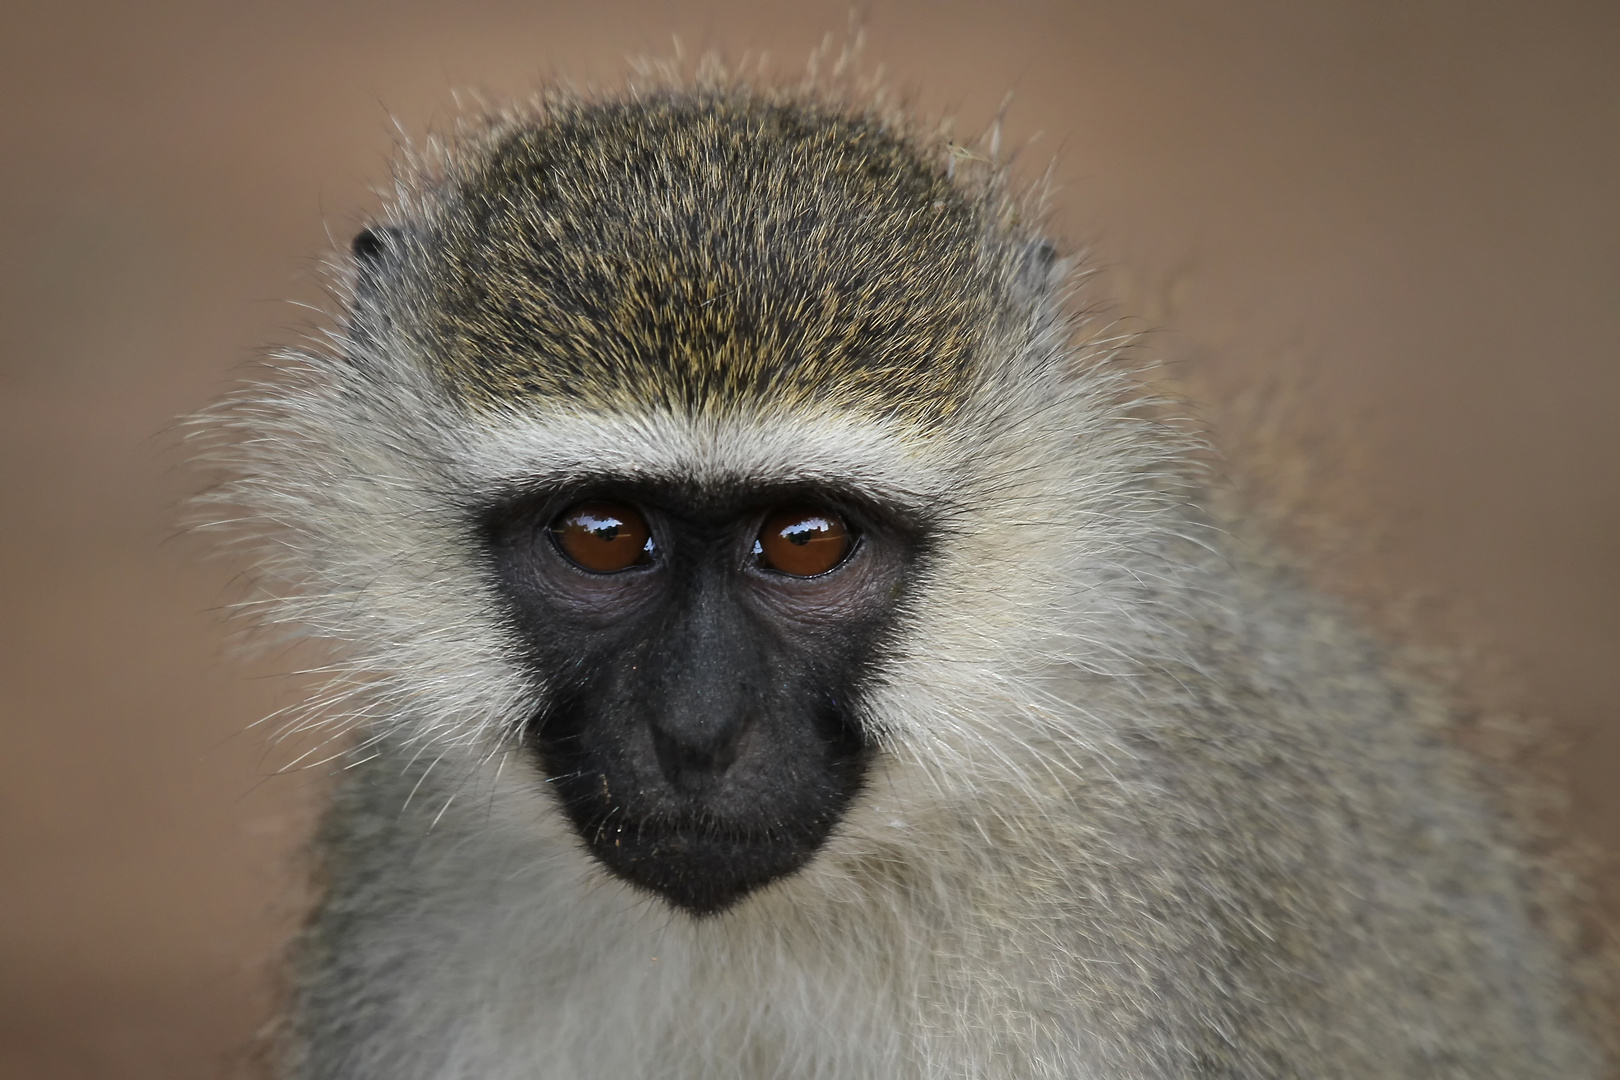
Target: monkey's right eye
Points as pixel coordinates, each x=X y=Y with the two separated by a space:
x=603 y=537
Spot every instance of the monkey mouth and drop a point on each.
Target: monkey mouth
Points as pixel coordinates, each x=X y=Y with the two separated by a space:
x=701 y=867
x=704 y=836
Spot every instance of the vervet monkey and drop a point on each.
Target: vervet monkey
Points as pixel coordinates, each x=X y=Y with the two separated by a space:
x=774 y=644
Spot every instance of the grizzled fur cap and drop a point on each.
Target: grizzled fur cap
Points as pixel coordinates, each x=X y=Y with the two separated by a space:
x=697 y=247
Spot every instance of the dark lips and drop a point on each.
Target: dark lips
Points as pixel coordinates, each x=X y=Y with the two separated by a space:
x=700 y=869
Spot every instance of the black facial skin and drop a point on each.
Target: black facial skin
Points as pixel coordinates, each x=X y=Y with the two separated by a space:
x=701 y=725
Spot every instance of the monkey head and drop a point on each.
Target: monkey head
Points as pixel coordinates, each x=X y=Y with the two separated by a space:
x=648 y=420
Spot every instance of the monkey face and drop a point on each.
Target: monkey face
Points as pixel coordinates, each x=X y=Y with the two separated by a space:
x=703 y=654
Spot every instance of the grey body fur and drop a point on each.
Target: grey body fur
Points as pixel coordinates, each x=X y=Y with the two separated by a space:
x=1143 y=805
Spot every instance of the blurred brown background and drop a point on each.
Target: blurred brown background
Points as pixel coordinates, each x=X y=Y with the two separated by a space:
x=1417 y=202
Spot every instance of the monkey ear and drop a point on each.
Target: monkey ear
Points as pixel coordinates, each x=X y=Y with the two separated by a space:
x=1040 y=269
x=369 y=244
x=374 y=249
x=371 y=249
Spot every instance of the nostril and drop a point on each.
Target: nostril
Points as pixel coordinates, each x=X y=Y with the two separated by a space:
x=692 y=761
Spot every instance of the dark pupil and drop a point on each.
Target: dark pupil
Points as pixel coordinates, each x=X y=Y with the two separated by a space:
x=804 y=532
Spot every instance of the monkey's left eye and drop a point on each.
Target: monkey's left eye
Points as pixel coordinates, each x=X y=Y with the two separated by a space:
x=603 y=536
x=802 y=542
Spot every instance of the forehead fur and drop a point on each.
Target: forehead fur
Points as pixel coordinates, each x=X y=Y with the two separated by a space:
x=697 y=250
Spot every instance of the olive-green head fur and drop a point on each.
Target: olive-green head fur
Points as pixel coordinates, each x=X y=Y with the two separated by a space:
x=693 y=250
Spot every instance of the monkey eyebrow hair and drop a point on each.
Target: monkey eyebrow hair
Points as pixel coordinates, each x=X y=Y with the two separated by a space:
x=867 y=459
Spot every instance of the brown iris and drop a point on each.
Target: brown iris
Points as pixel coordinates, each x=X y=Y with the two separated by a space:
x=803 y=542
x=603 y=536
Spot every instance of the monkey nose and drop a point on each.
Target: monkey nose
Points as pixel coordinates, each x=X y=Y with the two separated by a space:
x=693 y=756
